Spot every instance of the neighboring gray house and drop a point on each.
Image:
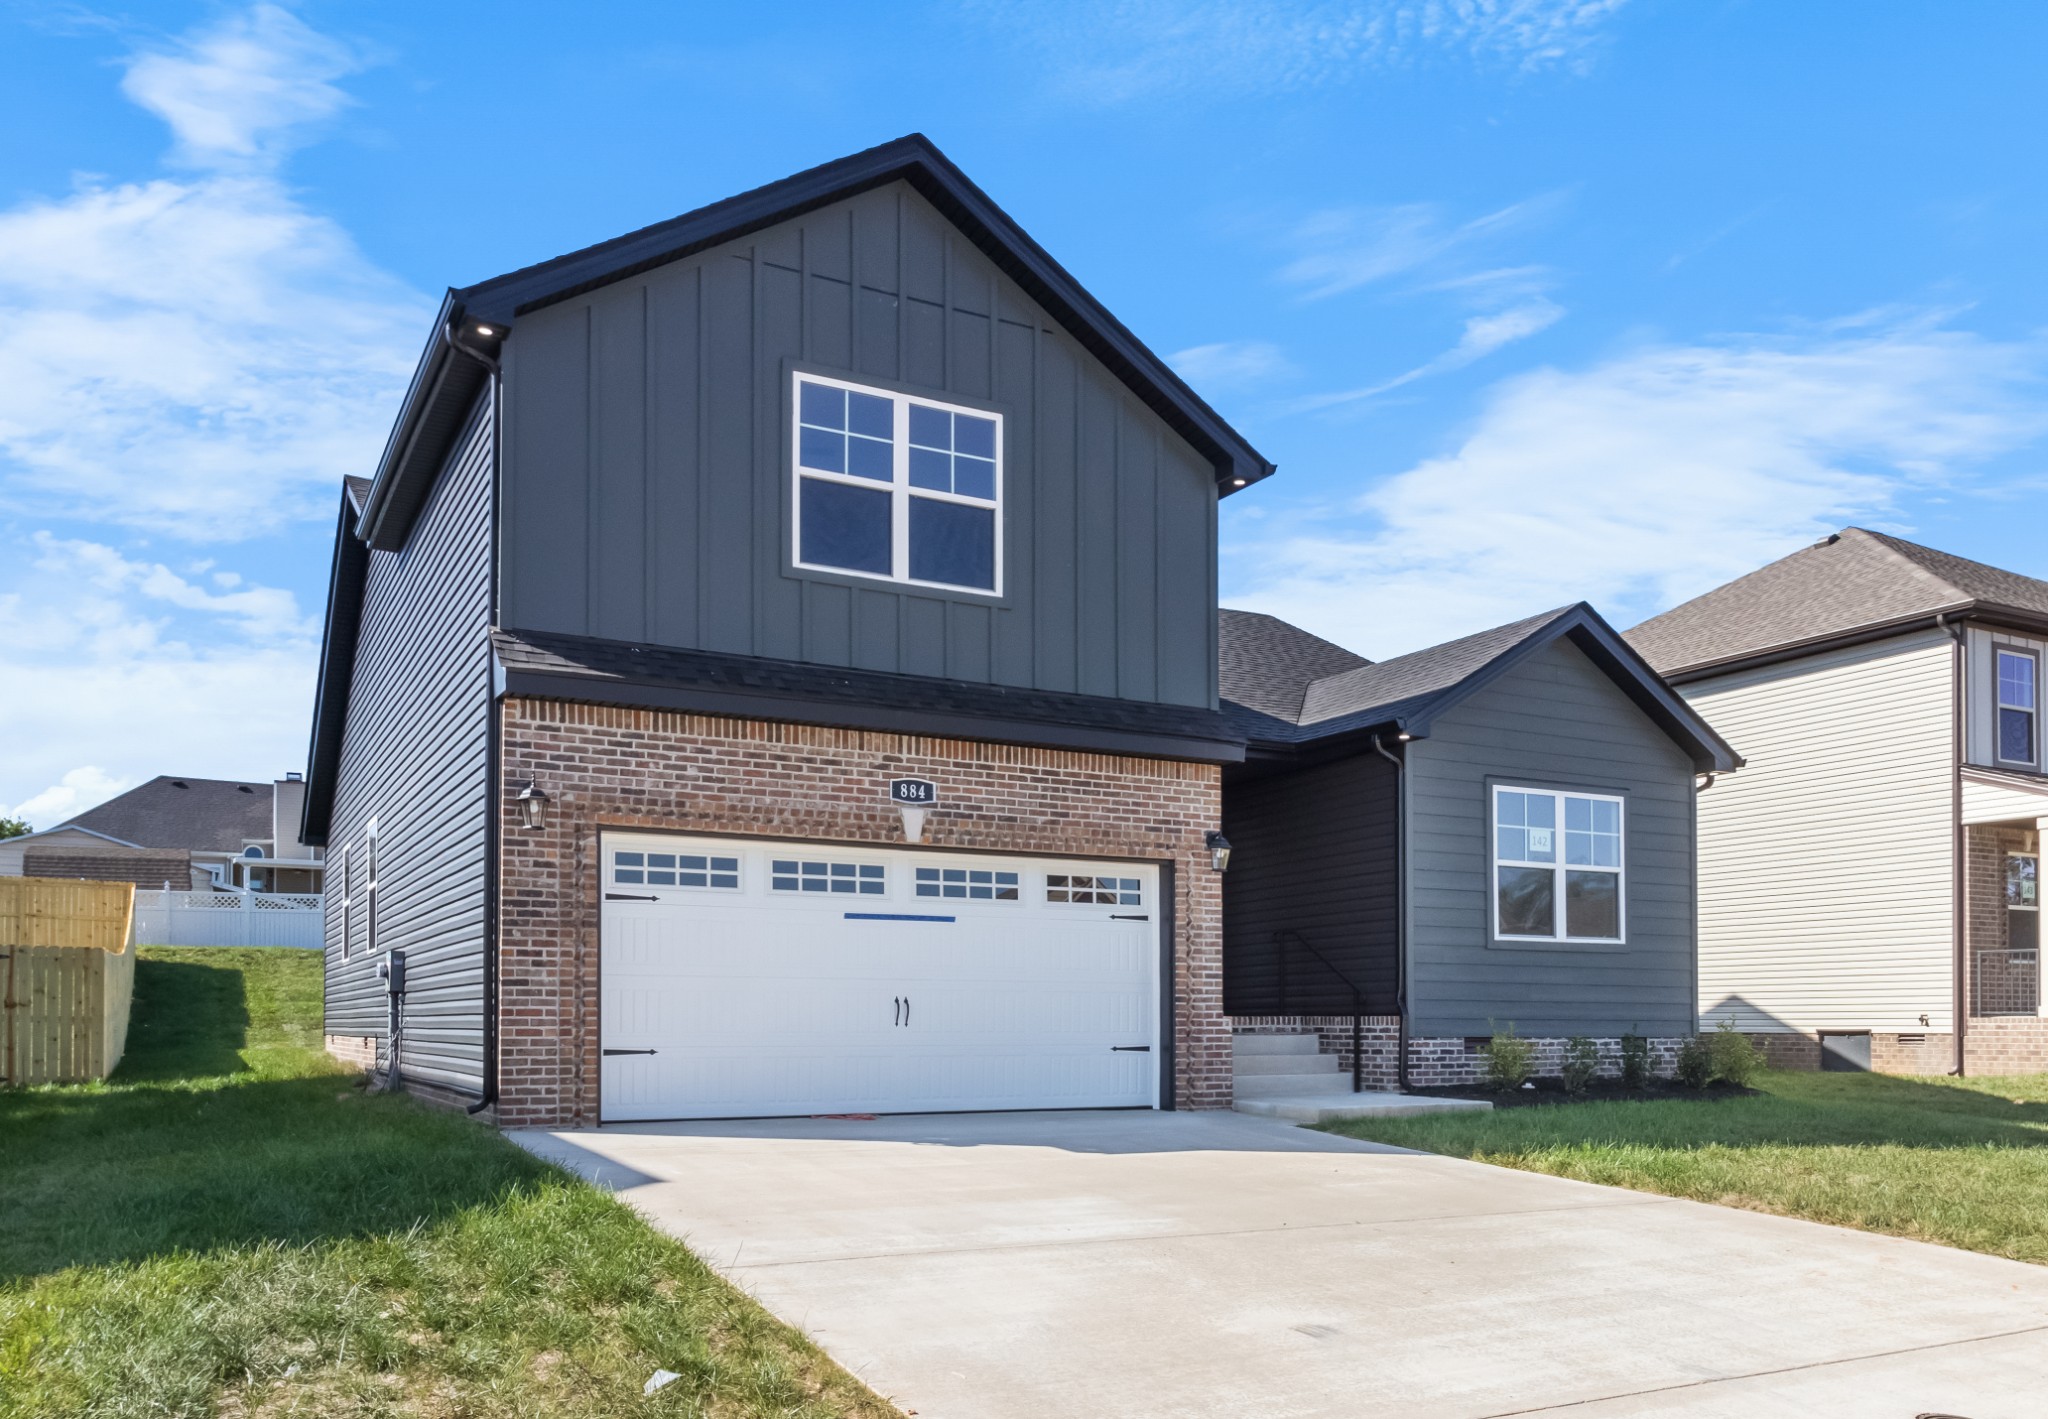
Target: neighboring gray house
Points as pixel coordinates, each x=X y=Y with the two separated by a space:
x=1877 y=861
x=1497 y=830
x=193 y=833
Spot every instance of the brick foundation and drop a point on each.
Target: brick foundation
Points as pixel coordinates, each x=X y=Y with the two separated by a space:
x=359 y=1050
x=1434 y=1061
x=2008 y=1046
x=609 y=767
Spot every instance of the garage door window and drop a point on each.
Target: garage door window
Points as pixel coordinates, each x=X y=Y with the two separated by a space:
x=969 y=883
x=865 y=879
x=675 y=869
x=1093 y=890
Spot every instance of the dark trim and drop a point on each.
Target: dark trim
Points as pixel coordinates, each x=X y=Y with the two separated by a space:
x=550 y=685
x=345 y=581
x=1401 y=934
x=1842 y=640
x=437 y=404
x=1169 y=1054
x=1959 y=837
x=494 y=760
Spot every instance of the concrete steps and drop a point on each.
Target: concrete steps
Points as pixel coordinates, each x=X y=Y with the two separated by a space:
x=1288 y=1076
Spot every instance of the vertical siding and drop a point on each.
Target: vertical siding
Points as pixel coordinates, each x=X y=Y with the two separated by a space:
x=646 y=467
x=1826 y=862
x=1980 y=694
x=1554 y=721
x=413 y=757
x=1311 y=852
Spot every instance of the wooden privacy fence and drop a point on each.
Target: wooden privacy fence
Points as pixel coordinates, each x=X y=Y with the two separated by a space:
x=68 y=978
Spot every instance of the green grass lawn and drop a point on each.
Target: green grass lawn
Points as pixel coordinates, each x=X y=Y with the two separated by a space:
x=1963 y=1162
x=230 y=1226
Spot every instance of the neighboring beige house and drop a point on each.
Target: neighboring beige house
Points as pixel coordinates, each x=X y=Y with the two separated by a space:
x=193 y=834
x=1868 y=881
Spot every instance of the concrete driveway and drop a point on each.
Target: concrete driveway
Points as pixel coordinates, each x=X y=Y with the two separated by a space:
x=999 y=1266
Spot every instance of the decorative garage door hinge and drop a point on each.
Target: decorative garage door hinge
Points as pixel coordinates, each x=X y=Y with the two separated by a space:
x=1114 y=917
x=629 y=897
x=1130 y=1049
x=632 y=1051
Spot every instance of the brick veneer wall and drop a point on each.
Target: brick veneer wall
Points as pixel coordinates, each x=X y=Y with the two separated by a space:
x=359 y=1050
x=1432 y=1060
x=611 y=767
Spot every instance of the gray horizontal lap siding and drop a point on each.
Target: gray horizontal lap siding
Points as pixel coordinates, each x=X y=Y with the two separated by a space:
x=413 y=757
x=1554 y=721
x=646 y=467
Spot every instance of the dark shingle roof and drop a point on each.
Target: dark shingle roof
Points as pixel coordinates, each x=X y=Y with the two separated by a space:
x=195 y=814
x=1405 y=693
x=358 y=490
x=1267 y=665
x=1853 y=581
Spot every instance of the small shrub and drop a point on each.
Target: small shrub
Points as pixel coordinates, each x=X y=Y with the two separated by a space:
x=1635 y=1061
x=1510 y=1059
x=1736 y=1057
x=1581 y=1063
x=1695 y=1066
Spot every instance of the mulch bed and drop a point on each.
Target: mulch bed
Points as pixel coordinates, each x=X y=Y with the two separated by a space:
x=1551 y=1091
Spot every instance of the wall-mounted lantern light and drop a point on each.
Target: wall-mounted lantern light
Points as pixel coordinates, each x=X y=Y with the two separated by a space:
x=533 y=807
x=1219 y=852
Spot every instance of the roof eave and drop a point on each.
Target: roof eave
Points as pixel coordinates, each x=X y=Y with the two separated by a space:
x=1858 y=635
x=345 y=581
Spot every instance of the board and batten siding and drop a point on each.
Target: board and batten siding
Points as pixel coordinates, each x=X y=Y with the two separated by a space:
x=414 y=758
x=1827 y=861
x=1980 y=695
x=1554 y=720
x=646 y=466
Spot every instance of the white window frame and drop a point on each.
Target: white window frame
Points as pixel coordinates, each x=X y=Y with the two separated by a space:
x=2032 y=712
x=370 y=889
x=739 y=871
x=1557 y=868
x=899 y=488
x=347 y=905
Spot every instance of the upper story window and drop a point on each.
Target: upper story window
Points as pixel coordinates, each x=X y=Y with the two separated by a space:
x=2017 y=673
x=1557 y=865
x=898 y=488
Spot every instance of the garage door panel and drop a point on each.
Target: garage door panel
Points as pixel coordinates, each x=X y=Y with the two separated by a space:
x=759 y=1002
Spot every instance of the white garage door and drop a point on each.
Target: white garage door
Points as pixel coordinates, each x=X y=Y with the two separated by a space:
x=744 y=978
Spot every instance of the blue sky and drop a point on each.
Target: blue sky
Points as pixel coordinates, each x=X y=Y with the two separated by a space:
x=1531 y=300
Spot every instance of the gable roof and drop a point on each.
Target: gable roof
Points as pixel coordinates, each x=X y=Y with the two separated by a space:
x=1267 y=665
x=1849 y=585
x=458 y=355
x=195 y=814
x=1406 y=694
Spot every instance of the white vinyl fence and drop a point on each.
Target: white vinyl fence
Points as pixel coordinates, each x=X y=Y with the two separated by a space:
x=230 y=919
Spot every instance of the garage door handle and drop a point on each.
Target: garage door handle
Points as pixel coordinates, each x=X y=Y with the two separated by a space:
x=1130 y=1049
x=897 y=1018
x=628 y=897
x=631 y=1051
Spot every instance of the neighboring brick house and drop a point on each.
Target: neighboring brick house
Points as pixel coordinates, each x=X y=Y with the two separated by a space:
x=1493 y=832
x=187 y=833
x=773 y=670
x=1868 y=882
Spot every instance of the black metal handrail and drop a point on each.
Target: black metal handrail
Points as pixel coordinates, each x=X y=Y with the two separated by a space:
x=1281 y=938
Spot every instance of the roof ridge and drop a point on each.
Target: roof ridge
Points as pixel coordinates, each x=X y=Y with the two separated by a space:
x=1890 y=546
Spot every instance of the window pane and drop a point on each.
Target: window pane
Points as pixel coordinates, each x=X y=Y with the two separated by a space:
x=1527 y=901
x=870 y=458
x=2016 y=680
x=823 y=451
x=871 y=416
x=1527 y=826
x=931 y=470
x=2021 y=883
x=931 y=427
x=974 y=478
x=2016 y=735
x=824 y=406
x=1592 y=904
x=952 y=544
x=974 y=436
x=845 y=527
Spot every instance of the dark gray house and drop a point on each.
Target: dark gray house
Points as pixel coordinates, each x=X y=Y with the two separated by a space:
x=1497 y=829
x=772 y=669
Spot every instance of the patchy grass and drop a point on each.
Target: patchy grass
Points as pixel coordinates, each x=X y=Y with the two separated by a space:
x=231 y=1227
x=1958 y=1161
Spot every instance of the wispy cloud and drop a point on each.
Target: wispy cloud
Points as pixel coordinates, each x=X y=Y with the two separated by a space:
x=1346 y=248
x=1483 y=335
x=1231 y=364
x=1118 y=52
x=1648 y=478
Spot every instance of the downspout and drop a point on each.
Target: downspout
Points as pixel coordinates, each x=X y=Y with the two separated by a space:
x=1958 y=841
x=493 y=748
x=1400 y=921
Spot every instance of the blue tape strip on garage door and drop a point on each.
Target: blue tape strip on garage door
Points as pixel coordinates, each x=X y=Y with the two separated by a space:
x=892 y=916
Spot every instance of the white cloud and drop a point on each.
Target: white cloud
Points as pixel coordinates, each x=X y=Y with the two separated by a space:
x=78 y=790
x=1230 y=364
x=201 y=357
x=1483 y=335
x=1113 y=53
x=1647 y=479
x=245 y=89
x=1345 y=248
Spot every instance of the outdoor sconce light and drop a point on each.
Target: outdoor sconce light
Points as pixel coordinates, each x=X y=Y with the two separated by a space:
x=533 y=807
x=1219 y=851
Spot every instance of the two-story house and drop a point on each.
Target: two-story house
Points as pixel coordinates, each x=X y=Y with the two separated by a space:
x=773 y=671
x=1868 y=882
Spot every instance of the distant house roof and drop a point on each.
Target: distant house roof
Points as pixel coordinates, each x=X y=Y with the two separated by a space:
x=1405 y=694
x=447 y=377
x=192 y=814
x=1847 y=586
